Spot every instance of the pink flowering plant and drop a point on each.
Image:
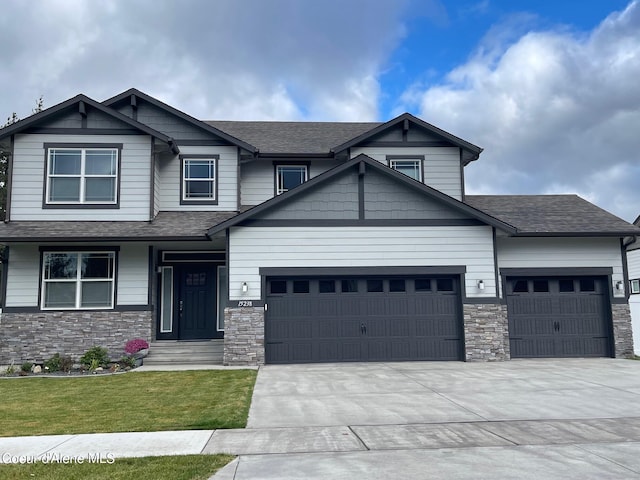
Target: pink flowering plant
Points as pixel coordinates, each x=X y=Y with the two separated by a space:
x=135 y=345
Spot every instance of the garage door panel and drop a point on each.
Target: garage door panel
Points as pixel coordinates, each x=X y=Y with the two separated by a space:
x=568 y=318
x=364 y=320
x=402 y=327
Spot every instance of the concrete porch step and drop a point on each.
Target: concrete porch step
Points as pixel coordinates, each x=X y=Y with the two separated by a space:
x=201 y=352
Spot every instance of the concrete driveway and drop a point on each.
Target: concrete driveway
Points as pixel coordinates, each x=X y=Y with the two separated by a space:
x=570 y=418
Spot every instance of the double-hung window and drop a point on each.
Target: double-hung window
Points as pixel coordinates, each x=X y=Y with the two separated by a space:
x=78 y=280
x=199 y=177
x=290 y=176
x=82 y=176
x=411 y=167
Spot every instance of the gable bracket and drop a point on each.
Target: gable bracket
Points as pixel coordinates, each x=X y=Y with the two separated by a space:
x=173 y=146
x=361 y=169
x=405 y=129
x=82 y=109
x=133 y=102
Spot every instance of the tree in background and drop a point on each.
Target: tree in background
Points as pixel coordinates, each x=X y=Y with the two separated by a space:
x=4 y=158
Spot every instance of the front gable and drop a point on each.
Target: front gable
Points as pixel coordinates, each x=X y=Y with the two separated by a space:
x=407 y=130
x=185 y=129
x=361 y=192
x=82 y=115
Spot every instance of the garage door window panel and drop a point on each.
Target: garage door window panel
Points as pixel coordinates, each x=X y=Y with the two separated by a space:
x=445 y=285
x=422 y=285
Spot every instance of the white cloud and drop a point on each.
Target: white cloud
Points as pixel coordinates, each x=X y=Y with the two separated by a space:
x=283 y=59
x=555 y=110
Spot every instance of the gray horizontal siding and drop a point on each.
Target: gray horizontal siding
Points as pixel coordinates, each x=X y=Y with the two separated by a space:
x=561 y=253
x=258 y=178
x=29 y=170
x=633 y=262
x=23 y=275
x=441 y=165
x=169 y=178
x=253 y=248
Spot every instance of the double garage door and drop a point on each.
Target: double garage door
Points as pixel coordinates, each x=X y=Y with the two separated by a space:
x=559 y=316
x=374 y=318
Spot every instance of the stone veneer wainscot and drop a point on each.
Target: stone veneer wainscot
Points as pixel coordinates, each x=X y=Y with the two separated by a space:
x=243 y=336
x=39 y=335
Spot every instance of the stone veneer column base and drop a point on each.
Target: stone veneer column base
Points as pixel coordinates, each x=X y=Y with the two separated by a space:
x=486 y=332
x=243 y=336
x=38 y=336
x=622 y=333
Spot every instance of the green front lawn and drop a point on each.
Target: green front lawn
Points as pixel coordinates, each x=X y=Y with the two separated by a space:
x=132 y=402
x=187 y=467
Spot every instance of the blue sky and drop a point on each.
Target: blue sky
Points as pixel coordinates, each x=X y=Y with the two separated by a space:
x=441 y=35
x=550 y=90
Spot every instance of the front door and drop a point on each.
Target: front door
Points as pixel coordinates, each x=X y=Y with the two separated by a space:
x=195 y=305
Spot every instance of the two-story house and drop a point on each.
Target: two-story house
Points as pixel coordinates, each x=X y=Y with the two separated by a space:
x=285 y=242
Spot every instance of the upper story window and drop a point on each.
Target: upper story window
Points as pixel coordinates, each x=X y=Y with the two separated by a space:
x=290 y=176
x=78 y=280
x=199 y=179
x=410 y=166
x=82 y=175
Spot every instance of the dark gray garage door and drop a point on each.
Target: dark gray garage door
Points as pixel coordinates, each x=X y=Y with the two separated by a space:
x=559 y=317
x=362 y=319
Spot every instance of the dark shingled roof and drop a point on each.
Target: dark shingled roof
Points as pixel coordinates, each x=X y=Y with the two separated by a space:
x=551 y=214
x=294 y=137
x=166 y=226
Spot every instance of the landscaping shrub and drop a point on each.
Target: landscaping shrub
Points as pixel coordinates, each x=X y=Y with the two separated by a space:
x=58 y=363
x=26 y=367
x=95 y=357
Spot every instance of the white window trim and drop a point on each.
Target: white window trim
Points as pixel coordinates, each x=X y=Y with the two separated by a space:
x=82 y=176
x=393 y=163
x=279 y=189
x=214 y=180
x=167 y=272
x=78 y=280
x=634 y=286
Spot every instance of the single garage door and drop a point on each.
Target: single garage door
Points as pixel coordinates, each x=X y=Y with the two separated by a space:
x=361 y=319
x=559 y=317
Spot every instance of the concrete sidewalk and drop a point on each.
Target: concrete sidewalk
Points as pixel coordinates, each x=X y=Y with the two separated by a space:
x=594 y=448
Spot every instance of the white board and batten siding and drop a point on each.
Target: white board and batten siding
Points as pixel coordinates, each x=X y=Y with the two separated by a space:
x=258 y=178
x=252 y=248
x=441 y=165
x=23 y=275
x=562 y=253
x=29 y=178
x=633 y=264
x=169 y=178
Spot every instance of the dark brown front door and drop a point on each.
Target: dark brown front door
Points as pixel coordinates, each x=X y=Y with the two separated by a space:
x=195 y=308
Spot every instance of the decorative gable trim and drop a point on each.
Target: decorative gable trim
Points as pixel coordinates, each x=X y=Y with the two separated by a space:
x=362 y=163
x=80 y=103
x=132 y=96
x=406 y=120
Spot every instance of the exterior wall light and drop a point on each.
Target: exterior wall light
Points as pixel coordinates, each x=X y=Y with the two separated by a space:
x=245 y=287
x=480 y=284
x=619 y=285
